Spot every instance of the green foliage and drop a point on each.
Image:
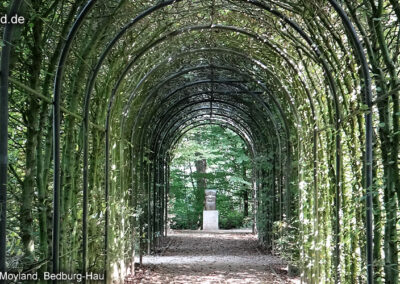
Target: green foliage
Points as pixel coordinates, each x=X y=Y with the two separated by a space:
x=231 y=220
x=228 y=165
x=298 y=164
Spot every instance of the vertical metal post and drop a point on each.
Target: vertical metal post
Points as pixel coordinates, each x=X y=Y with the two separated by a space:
x=147 y=182
x=106 y=190
x=167 y=178
x=154 y=171
x=4 y=145
x=56 y=182
x=338 y=193
x=56 y=132
x=5 y=70
x=160 y=178
x=85 y=196
x=367 y=100
x=253 y=193
x=85 y=189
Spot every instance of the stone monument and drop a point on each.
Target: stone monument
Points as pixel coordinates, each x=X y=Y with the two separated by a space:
x=210 y=214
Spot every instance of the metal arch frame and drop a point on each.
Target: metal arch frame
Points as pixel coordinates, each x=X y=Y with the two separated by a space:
x=201 y=50
x=223 y=121
x=368 y=135
x=206 y=120
x=202 y=102
x=165 y=123
x=178 y=133
x=170 y=123
x=235 y=71
x=177 y=129
x=247 y=58
x=368 y=94
x=164 y=155
x=252 y=118
x=311 y=103
x=332 y=86
x=250 y=144
x=205 y=109
x=326 y=68
x=195 y=28
x=236 y=127
x=202 y=97
x=182 y=72
x=154 y=68
x=174 y=125
x=288 y=99
x=107 y=160
x=141 y=142
x=226 y=28
x=215 y=49
x=56 y=119
x=204 y=27
x=195 y=83
x=288 y=148
x=358 y=50
x=284 y=122
x=180 y=102
x=263 y=103
x=56 y=137
x=160 y=142
x=201 y=117
x=219 y=27
x=288 y=209
x=217 y=82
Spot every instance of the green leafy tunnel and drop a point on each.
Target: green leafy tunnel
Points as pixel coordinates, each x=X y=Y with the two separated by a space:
x=97 y=94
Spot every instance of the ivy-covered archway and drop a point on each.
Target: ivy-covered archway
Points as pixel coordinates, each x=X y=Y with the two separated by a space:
x=289 y=77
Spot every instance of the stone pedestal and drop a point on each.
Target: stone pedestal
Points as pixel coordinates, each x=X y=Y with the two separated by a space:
x=210 y=220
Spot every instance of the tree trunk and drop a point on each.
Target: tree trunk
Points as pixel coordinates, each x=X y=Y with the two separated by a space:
x=32 y=114
x=201 y=182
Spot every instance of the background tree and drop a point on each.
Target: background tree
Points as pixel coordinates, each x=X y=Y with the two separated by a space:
x=222 y=166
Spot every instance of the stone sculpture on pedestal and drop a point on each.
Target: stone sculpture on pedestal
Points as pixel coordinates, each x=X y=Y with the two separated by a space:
x=210 y=214
x=211 y=199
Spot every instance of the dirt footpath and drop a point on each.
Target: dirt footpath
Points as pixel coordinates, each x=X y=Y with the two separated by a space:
x=212 y=257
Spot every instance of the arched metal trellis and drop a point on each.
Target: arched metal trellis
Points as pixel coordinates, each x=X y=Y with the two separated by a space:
x=367 y=100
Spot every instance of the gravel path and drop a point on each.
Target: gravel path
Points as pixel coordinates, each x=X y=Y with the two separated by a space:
x=212 y=257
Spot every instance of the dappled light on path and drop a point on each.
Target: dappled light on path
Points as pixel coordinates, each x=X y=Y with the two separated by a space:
x=212 y=257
